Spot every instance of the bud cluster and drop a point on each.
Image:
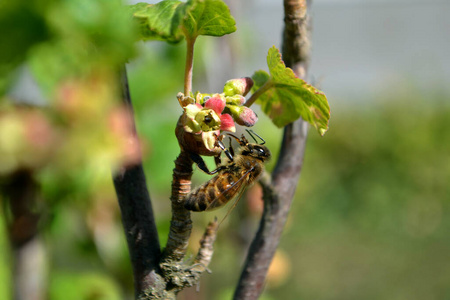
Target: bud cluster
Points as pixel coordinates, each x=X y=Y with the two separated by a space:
x=207 y=115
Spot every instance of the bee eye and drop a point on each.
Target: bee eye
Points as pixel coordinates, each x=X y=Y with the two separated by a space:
x=260 y=151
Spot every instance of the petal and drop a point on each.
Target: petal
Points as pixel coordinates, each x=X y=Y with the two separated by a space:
x=184 y=101
x=209 y=139
x=192 y=110
x=216 y=103
x=227 y=123
x=193 y=127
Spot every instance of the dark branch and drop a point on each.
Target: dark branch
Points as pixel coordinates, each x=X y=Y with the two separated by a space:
x=22 y=197
x=137 y=217
x=160 y=275
x=280 y=188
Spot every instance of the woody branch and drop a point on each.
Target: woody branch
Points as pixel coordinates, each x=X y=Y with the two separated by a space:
x=280 y=187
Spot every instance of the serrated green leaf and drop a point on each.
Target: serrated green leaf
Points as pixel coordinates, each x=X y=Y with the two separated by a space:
x=208 y=17
x=169 y=20
x=288 y=97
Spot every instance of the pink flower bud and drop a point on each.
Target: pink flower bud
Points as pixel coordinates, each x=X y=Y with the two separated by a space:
x=239 y=86
x=243 y=115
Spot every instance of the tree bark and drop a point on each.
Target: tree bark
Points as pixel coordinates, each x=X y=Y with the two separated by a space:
x=279 y=189
x=138 y=217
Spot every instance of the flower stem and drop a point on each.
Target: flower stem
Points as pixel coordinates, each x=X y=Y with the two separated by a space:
x=189 y=66
x=266 y=86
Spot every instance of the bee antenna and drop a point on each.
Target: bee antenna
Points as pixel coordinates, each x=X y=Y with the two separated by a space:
x=251 y=133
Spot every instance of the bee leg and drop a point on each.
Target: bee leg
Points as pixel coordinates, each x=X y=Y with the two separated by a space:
x=198 y=160
x=230 y=148
x=227 y=152
x=217 y=160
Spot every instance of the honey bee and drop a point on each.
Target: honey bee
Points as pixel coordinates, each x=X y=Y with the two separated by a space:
x=232 y=178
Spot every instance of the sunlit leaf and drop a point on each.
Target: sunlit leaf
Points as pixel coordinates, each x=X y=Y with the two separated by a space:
x=287 y=97
x=208 y=17
x=159 y=21
x=170 y=20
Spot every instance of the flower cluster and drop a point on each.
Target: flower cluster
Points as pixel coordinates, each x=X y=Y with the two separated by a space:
x=206 y=116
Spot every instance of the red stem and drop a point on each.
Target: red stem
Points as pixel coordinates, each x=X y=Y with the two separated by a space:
x=189 y=66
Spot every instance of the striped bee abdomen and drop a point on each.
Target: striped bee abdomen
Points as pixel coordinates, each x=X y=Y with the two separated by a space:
x=214 y=193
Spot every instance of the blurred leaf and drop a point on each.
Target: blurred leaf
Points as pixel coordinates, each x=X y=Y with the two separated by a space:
x=5 y=261
x=23 y=27
x=88 y=35
x=160 y=21
x=287 y=97
x=83 y=286
x=169 y=20
x=259 y=79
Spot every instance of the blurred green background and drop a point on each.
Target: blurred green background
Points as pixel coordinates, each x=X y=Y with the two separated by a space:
x=370 y=219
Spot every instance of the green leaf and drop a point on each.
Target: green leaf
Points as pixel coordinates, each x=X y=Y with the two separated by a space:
x=72 y=286
x=86 y=35
x=159 y=21
x=208 y=17
x=259 y=79
x=169 y=20
x=286 y=97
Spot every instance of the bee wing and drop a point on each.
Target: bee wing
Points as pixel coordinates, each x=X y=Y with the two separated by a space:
x=239 y=185
x=236 y=200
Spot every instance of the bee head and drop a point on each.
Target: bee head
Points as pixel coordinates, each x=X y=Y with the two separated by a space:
x=257 y=151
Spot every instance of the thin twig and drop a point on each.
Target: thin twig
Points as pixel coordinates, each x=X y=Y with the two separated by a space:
x=259 y=92
x=206 y=250
x=138 y=217
x=280 y=189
